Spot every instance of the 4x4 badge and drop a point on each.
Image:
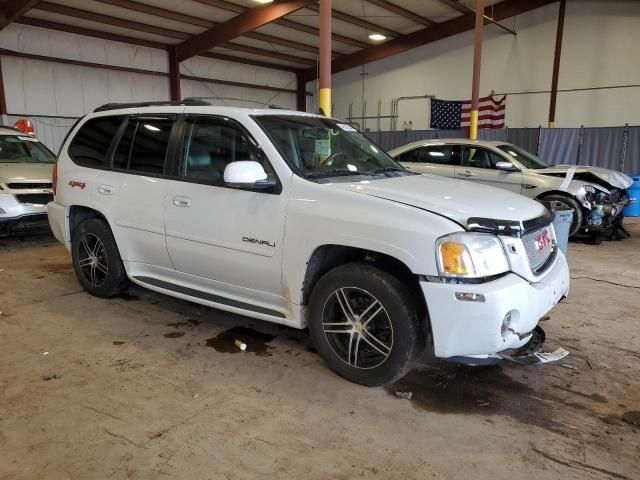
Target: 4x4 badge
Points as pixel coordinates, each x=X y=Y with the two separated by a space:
x=73 y=183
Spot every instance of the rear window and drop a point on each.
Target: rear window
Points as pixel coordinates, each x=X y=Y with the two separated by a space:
x=91 y=144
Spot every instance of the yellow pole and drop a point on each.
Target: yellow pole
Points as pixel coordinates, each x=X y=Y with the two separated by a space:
x=324 y=99
x=473 y=125
x=552 y=124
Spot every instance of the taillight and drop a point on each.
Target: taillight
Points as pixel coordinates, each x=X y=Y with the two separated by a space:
x=54 y=178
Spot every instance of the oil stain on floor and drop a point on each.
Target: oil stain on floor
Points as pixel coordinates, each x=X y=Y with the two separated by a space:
x=256 y=342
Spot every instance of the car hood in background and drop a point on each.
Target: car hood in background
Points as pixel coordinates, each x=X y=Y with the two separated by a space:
x=25 y=171
x=455 y=199
x=590 y=174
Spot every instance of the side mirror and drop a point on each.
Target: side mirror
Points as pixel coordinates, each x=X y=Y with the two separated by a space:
x=247 y=174
x=506 y=166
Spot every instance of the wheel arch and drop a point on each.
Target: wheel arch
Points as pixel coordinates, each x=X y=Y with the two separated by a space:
x=327 y=257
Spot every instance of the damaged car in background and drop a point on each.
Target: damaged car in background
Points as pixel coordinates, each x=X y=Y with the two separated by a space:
x=596 y=195
x=25 y=182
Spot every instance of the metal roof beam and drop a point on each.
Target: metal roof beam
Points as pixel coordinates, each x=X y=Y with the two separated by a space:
x=12 y=9
x=243 y=23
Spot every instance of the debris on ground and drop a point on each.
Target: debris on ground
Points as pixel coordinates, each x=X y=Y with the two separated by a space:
x=241 y=345
x=406 y=395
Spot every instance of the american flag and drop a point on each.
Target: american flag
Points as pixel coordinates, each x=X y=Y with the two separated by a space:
x=455 y=115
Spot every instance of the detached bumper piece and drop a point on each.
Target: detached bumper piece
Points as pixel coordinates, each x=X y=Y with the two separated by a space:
x=27 y=224
x=531 y=352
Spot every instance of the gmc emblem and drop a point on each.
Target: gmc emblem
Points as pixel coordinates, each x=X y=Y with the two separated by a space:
x=543 y=240
x=81 y=185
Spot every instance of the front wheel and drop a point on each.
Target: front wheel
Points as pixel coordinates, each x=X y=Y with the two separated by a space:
x=364 y=323
x=566 y=201
x=96 y=259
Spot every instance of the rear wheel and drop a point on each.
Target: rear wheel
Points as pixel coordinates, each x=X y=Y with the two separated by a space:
x=565 y=201
x=364 y=323
x=96 y=259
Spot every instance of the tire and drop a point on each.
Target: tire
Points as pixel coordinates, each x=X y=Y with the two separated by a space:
x=373 y=351
x=569 y=202
x=101 y=272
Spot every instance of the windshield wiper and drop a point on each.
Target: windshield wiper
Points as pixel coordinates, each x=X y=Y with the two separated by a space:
x=388 y=169
x=334 y=173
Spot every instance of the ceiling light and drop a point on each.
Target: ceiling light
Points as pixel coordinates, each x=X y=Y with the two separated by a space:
x=262 y=2
x=377 y=37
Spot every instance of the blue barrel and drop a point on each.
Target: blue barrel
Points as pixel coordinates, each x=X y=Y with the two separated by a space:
x=633 y=209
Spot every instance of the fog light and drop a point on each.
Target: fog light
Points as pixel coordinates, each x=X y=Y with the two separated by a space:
x=506 y=323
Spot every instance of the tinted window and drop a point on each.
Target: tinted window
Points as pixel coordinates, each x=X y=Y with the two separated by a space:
x=91 y=144
x=479 y=157
x=439 y=154
x=210 y=144
x=123 y=152
x=150 y=144
x=410 y=156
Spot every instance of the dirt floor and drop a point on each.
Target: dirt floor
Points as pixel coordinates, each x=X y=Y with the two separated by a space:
x=145 y=386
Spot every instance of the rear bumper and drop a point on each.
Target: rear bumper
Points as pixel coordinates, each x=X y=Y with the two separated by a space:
x=475 y=329
x=58 y=220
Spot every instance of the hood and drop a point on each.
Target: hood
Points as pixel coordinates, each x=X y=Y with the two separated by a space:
x=26 y=171
x=591 y=174
x=457 y=200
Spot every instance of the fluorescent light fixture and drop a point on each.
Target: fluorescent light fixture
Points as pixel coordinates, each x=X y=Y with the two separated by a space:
x=263 y=2
x=377 y=37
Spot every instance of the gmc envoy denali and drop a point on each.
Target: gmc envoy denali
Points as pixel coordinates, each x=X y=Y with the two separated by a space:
x=298 y=219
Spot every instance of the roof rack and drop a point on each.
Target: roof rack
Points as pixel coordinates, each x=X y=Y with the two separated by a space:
x=189 y=101
x=118 y=106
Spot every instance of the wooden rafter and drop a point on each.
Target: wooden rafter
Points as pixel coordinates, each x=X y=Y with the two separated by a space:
x=403 y=12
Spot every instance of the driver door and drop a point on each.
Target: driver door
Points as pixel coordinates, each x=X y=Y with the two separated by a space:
x=479 y=165
x=229 y=238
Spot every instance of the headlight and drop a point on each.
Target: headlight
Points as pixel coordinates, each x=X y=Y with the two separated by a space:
x=471 y=255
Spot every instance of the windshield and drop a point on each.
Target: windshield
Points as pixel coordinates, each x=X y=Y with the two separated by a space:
x=321 y=147
x=529 y=160
x=24 y=149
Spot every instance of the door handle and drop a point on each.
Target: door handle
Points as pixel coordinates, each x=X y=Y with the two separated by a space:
x=105 y=189
x=181 y=201
x=466 y=174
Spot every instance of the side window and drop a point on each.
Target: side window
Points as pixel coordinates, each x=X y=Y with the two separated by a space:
x=410 y=156
x=143 y=145
x=210 y=144
x=91 y=144
x=479 y=157
x=150 y=145
x=438 y=154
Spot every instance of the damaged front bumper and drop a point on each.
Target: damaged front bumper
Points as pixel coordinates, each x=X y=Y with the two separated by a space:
x=504 y=320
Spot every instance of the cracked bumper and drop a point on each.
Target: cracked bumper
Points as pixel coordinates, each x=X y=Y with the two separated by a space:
x=474 y=329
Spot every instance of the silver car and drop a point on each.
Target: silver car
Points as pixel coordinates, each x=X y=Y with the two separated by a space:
x=25 y=182
x=597 y=195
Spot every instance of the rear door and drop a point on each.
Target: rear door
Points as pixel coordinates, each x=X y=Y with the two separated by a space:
x=141 y=162
x=438 y=160
x=479 y=165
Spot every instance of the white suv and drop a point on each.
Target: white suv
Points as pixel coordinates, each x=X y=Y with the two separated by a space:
x=298 y=219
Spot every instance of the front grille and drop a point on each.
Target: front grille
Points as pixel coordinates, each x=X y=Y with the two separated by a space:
x=26 y=186
x=539 y=246
x=35 y=198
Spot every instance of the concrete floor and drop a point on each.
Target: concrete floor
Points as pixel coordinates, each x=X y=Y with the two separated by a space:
x=144 y=387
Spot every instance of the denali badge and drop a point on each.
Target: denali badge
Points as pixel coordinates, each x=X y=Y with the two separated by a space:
x=543 y=240
x=259 y=242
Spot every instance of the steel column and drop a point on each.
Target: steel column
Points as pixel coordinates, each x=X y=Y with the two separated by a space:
x=174 y=75
x=477 y=61
x=556 y=65
x=325 y=57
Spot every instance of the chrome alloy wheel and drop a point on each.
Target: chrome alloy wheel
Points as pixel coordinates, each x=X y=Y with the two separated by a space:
x=93 y=259
x=357 y=327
